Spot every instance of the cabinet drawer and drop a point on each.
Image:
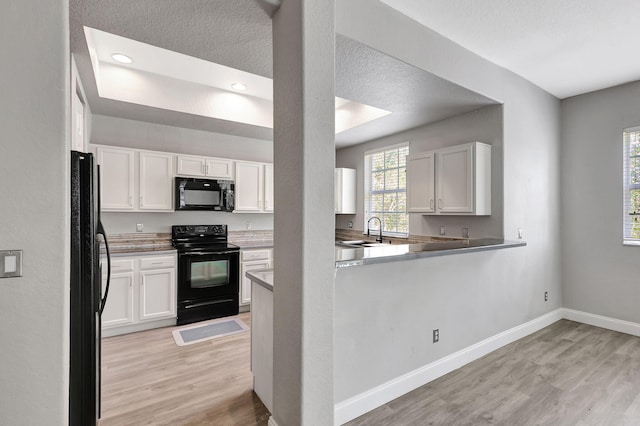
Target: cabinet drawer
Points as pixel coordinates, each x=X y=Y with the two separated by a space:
x=255 y=255
x=123 y=265
x=157 y=262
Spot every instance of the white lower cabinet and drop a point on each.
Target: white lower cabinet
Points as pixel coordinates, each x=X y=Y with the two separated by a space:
x=142 y=294
x=119 y=308
x=252 y=260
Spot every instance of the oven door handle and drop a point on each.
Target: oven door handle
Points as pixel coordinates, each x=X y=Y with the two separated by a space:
x=204 y=253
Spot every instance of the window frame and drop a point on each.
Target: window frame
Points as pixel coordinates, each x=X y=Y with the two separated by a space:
x=368 y=192
x=627 y=215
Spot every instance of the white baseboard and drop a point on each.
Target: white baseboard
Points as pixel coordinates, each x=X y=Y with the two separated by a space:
x=356 y=406
x=602 y=322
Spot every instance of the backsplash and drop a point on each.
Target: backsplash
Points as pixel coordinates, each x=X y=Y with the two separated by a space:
x=125 y=222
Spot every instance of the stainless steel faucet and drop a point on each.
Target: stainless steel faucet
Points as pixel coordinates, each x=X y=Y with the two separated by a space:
x=379 y=239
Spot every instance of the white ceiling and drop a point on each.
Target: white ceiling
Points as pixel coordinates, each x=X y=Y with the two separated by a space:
x=567 y=47
x=237 y=34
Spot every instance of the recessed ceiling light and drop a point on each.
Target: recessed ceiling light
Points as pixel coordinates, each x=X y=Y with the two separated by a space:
x=123 y=59
x=239 y=87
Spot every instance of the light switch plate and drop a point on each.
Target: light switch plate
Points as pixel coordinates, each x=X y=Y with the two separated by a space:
x=10 y=263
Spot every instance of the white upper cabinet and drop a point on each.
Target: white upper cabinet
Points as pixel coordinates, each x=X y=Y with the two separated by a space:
x=117 y=167
x=156 y=178
x=220 y=168
x=211 y=167
x=344 y=181
x=133 y=180
x=268 y=187
x=421 y=182
x=452 y=181
x=253 y=187
x=191 y=166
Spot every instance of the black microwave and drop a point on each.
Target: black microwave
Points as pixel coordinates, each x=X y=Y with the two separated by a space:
x=204 y=194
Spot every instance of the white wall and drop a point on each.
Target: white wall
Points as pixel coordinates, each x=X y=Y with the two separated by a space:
x=600 y=275
x=34 y=309
x=483 y=125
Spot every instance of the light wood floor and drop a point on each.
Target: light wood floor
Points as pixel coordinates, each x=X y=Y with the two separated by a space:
x=148 y=380
x=565 y=374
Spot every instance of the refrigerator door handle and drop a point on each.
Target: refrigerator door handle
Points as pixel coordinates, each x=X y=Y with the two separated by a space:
x=102 y=232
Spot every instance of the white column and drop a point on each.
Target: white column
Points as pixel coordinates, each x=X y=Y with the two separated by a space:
x=304 y=157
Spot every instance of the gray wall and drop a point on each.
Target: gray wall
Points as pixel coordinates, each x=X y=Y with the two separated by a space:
x=600 y=275
x=34 y=309
x=124 y=223
x=483 y=125
x=115 y=131
x=383 y=326
x=510 y=285
x=157 y=137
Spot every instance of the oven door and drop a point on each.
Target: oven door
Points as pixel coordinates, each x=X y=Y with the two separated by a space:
x=206 y=275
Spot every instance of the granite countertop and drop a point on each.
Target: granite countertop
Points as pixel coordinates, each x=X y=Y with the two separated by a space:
x=251 y=239
x=151 y=243
x=348 y=256
x=156 y=243
x=264 y=277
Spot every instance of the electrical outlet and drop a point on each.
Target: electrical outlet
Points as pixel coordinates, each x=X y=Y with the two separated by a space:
x=139 y=227
x=519 y=233
x=249 y=224
x=350 y=224
x=546 y=296
x=465 y=232
x=436 y=335
x=442 y=230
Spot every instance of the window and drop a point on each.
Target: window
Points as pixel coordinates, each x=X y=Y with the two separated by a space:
x=385 y=189
x=631 y=170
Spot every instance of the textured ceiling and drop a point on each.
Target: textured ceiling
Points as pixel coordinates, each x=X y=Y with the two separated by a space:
x=238 y=34
x=567 y=47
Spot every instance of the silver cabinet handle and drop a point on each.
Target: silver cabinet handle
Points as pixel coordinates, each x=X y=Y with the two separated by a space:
x=439 y=203
x=141 y=201
x=431 y=203
x=207 y=170
x=156 y=263
x=131 y=200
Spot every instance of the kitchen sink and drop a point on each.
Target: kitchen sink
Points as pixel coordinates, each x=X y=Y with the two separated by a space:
x=360 y=243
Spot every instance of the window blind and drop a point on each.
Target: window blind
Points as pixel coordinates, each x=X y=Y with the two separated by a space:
x=631 y=172
x=386 y=189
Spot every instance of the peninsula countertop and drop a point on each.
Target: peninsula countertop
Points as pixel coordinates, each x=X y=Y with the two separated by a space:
x=358 y=256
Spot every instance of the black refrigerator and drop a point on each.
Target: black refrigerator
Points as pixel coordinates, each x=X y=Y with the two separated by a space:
x=87 y=300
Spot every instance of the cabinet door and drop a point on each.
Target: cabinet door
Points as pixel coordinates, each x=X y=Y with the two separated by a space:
x=118 y=309
x=249 y=186
x=268 y=187
x=455 y=179
x=191 y=166
x=344 y=187
x=156 y=176
x=157 y=294
x=245 y=287
x=116 y=178
x=219 y=168
x=421 y=182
